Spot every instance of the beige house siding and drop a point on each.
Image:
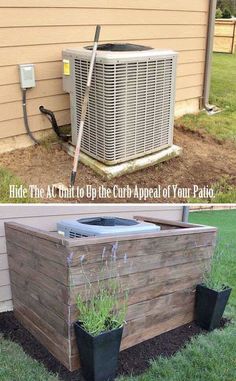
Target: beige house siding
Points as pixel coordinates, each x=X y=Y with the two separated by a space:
x=45 y=217
x=37 y=31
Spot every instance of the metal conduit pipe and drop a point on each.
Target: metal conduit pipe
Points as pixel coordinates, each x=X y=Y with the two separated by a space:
x=208 y=60
x=185 y=214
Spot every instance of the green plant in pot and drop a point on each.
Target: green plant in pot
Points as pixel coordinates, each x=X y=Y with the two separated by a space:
x=212 y=294
x=101 y=318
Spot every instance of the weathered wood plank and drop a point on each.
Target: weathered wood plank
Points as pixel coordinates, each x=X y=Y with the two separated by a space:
x=174 y=320
x=35 y=232
x=137 y=264
x=42 y=337
x=51 y=331
x=49 y=300
x=139 y=281
x=59 y=324
x=38 y=262
x=159 y=304
x=160 y=221
x=160 y=270
x=28 y=276
x=93 y=253
x=37 y=245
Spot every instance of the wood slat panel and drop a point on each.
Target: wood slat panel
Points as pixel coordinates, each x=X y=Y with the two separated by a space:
x=136 y=248
x=223 y=44
x=46 y=53
x=224 y=29
x=42 y=324
x=45 y=298
x=10 y=17
x=195 y=5
x=38 y=261
x=161 y=279
x=44 y=312
x=35 y=245
x=51 y=35
x=57 y=351
x=157 y=306
x=154 y=284
x=139 y=264
x=170 y=322
x=46 y=284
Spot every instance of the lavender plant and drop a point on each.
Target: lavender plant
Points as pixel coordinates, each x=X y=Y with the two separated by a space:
x=103 y=306
x=215 y=278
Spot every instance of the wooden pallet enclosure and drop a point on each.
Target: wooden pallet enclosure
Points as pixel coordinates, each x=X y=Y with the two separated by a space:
x=160 y=270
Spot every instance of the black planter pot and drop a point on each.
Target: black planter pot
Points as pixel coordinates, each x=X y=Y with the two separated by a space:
x=210 y=306
x=98 y=354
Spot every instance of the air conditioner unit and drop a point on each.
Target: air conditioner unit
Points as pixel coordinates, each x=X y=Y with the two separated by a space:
x=131 y=103
x=100 y=226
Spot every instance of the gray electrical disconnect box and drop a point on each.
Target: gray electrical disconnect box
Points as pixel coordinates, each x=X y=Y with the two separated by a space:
x=27 y=76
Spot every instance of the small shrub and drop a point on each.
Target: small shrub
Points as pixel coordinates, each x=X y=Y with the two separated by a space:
x=103 y=306
x=226 y=14
x=218 y=13
x=213 y=277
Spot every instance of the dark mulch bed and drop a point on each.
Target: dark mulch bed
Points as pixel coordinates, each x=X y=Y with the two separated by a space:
x=134 y=360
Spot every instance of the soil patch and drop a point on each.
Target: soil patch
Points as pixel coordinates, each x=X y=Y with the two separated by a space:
x=204 y=162
x=134 y=360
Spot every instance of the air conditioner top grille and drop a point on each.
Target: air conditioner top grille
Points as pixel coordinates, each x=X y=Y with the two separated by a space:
x=99 y=226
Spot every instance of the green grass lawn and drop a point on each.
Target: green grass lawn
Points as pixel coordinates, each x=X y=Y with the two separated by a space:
x=15 y=365
x=7 y=178
x=208 y=357
x=223 y=94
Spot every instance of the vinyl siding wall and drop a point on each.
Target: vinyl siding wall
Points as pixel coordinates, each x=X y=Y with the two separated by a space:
x=45 y=217
x=37 y=31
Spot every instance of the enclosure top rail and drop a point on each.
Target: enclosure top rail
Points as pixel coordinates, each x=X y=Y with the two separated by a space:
x=182 y=228
x=168 y=222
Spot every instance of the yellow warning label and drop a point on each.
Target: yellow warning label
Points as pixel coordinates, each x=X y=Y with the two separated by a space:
x=66 y=67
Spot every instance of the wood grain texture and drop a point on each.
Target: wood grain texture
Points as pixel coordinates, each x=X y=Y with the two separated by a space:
x=43 y=337
x=161 y=273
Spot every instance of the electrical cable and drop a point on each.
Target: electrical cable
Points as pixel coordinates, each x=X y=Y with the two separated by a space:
x=25 y=114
